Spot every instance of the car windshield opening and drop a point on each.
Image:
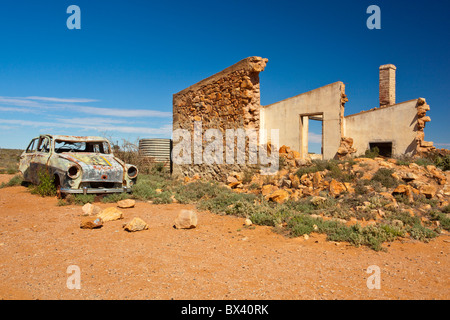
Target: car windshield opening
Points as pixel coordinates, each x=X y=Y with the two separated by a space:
x=81 y=146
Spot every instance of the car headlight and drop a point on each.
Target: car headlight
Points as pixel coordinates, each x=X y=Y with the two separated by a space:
x=73 y=172
x=132 y=172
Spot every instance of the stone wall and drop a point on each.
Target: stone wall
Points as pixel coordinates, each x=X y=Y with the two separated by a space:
x=423 y=146
x=229 y=99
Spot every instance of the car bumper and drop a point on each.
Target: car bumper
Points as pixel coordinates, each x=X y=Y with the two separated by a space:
x=95 y=190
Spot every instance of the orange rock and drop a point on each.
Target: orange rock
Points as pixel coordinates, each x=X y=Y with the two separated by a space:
x=317 y=179
x=404 y=189
x=428 y=191
x=91 y=223
x=110 y=214
x=336 y=188
x=234 y=184
x=295 y=181
x=278 y=196
x=127 y=203
x=268 y=189
x=349 y=187
x=293 y=155
x=284 y=149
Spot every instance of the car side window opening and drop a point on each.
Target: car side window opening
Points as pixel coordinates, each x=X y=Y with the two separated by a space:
x=44 y=145
x=32 y=146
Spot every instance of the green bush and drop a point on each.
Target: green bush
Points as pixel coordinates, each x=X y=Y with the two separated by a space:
x=46 y=186
x=302 y=224
x=163 y=197
x=423 y=162
x=334 y=171
x=384 y=176
x=372 y=153
x=114 y=197
x=371 y=236
x=264 y=216
x=443 y=218
x=442 y=162
x=225 y=201
x=360 y=186
x=146 y=186
x=404 y=217
x=194 y=191
x=79 y=199
x=421 y=233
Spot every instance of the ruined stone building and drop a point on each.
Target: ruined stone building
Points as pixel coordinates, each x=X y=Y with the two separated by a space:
x=230 y=99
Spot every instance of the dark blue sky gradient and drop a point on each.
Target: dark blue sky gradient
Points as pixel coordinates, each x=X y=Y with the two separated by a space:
x=137 y=54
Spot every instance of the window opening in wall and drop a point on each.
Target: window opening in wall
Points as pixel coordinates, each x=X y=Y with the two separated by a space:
x=384 y=148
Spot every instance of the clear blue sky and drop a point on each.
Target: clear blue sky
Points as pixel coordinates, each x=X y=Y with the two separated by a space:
x=118 y=73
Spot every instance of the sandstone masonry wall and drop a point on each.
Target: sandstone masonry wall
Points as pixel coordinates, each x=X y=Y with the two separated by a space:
x=229 y=99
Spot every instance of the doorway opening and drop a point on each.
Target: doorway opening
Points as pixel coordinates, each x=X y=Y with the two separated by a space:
x=311 y=136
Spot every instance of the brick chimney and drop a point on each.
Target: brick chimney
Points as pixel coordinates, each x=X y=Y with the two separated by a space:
x=387 y=85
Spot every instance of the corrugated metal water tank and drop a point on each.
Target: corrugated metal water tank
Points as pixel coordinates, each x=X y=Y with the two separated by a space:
x=158 y=149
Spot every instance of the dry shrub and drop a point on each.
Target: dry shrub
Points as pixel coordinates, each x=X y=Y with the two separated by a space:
x=129 y=153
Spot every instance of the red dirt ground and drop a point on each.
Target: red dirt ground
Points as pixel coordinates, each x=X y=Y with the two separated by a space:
x=220 y=259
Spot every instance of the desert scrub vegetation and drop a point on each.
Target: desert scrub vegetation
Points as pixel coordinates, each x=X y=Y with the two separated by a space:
x=335 y=169
x=17 y=180
x=78 y=199
x=433 y=158
x=9 y=160
x=385 y=178
x=46 y=186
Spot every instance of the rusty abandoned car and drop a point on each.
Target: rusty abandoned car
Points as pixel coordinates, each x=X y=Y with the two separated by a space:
x=77 y=164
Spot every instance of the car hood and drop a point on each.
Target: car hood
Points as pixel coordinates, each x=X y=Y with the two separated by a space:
x=97 y=167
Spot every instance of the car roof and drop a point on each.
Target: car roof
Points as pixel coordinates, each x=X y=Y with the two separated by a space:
x=75 y=138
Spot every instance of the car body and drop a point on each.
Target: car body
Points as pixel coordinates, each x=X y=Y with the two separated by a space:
x=77 y=164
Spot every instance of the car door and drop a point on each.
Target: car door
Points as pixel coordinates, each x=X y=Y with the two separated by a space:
x=26 y=159
x=40 y=160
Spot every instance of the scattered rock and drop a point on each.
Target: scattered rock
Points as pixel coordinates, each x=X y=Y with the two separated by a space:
x=278 y=196
x=349 y=187
x=284 y=149
x=317 y=179
x=231 y=179
x=127 y=203
x=404 y=189
x=248 y=222
x=428 y=191
x=345 y=147
x=268 y=189
x=137 y=224
x=90 y=209
x=187 y=219
x=336 y=188
x=316 y=200
x=286 y=183
x=110 y=214
x=91 y=223
x=409 y=176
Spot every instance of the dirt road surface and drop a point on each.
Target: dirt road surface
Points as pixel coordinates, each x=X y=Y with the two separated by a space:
x=220 y=259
